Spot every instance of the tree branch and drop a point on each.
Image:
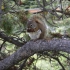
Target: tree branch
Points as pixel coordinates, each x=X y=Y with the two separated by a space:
x=33 y=47
x=2 y=45
x=10 y=39
x=23 y=64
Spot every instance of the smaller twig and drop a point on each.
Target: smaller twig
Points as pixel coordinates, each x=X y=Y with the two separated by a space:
x=23 y=64
x=56 y=58
x=64 y=56
x=0 y=6
x=11 y=39
x=60 y=63
x=44 y=3
x=31 y=60
x=2 y=45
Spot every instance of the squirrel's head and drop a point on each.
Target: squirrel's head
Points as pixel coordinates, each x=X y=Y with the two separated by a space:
x=32 y=26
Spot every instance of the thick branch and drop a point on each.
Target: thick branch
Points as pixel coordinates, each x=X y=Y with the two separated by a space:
x=32 y=47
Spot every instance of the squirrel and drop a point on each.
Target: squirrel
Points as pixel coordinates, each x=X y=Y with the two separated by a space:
x=37 y=28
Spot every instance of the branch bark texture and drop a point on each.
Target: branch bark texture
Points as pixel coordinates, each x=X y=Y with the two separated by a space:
x=32 y=47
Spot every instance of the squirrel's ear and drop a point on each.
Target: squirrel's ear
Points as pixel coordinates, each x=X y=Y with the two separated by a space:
x=38 y=21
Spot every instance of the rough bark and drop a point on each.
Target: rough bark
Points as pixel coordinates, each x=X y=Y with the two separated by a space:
x=32 y=47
